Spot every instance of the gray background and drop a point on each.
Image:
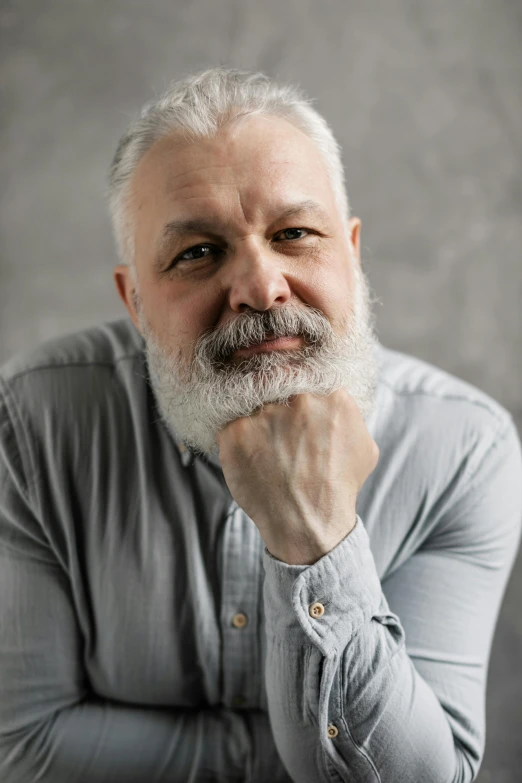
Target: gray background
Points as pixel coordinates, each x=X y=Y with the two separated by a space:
x=426 y=100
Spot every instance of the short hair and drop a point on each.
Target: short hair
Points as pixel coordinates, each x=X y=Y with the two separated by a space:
x=198 y=107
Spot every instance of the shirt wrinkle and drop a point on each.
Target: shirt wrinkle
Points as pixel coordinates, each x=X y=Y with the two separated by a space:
x=158 y=622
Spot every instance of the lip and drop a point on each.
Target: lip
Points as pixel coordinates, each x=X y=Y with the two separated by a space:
x=277 y=344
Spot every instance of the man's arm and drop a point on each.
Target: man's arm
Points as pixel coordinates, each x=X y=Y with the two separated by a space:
x=52 y=728
x=358 y=692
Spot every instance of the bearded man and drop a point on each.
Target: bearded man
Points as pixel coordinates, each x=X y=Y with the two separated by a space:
x=240 y=539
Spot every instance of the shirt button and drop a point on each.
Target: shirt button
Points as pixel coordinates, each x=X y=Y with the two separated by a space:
x=238 y=701
x=332 y=730
x=316 y=609
x=239 y=620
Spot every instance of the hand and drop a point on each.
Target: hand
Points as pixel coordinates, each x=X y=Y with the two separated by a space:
x=297 y=469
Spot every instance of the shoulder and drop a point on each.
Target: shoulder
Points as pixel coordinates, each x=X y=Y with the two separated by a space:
x=437 y=429
x=69 y=367
x=70 y=386
x=421 y=396
x=99 y=345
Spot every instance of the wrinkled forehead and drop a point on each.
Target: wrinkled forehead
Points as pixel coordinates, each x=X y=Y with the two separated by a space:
x=258 y=157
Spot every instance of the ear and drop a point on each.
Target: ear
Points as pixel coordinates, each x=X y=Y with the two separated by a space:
x=127 y=291
x=354 y=232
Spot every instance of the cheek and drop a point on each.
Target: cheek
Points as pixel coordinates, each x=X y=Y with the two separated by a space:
x=330 y=288
x=183 y=316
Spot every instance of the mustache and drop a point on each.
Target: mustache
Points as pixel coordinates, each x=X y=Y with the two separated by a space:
x=247 y=329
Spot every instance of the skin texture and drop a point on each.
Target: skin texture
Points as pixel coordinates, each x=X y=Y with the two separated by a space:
x=243 y=180
x=314 y=470
x=240 y=178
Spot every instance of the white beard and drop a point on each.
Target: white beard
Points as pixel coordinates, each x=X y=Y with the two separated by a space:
x=197 y=401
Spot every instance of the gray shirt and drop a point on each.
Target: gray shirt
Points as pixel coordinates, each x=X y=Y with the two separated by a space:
x=146 y=633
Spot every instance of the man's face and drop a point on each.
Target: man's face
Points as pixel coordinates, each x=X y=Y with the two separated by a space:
x=241 y=272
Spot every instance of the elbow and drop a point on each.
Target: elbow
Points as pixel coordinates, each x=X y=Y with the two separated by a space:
x=468 y=759
x=21 y=759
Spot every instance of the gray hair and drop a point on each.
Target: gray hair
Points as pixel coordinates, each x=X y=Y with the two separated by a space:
x=197 y=107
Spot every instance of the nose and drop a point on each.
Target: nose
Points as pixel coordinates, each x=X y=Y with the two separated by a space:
x=256 y=278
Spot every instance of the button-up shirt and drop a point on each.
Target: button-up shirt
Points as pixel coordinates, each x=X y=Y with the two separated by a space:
x=147 y=634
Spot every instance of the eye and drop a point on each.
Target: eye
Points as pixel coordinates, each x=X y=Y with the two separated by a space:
x=198 y=249
x=294 y=229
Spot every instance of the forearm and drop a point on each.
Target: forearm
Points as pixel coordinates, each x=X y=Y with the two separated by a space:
x=347 y=668
x=102 y=742
x=390 y=725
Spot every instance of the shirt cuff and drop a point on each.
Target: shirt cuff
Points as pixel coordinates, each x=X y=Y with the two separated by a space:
x=345 y=582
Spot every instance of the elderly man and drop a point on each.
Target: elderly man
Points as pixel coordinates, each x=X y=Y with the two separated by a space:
x=240 y=540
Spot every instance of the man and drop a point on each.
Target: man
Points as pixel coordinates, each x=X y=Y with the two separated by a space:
x=240 y=539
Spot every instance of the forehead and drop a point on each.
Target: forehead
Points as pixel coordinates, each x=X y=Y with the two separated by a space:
x=260 y=157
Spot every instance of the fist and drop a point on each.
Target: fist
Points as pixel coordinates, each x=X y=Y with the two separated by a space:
x=297 y=469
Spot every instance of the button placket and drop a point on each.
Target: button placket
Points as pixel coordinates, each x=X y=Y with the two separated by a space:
x=317 y=610
x=241 y=591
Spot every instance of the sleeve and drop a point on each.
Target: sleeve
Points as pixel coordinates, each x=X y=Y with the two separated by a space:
x=386 y=683
x=52 y=729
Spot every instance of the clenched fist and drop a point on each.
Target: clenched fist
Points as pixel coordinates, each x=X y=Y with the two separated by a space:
x=296 y=470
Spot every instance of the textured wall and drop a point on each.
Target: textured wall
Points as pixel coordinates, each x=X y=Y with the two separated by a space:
x=427 y=104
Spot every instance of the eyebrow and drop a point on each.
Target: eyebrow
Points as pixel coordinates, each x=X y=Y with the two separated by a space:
x=185 y=226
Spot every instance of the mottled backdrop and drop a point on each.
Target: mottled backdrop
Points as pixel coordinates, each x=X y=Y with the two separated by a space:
x=426 y=100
